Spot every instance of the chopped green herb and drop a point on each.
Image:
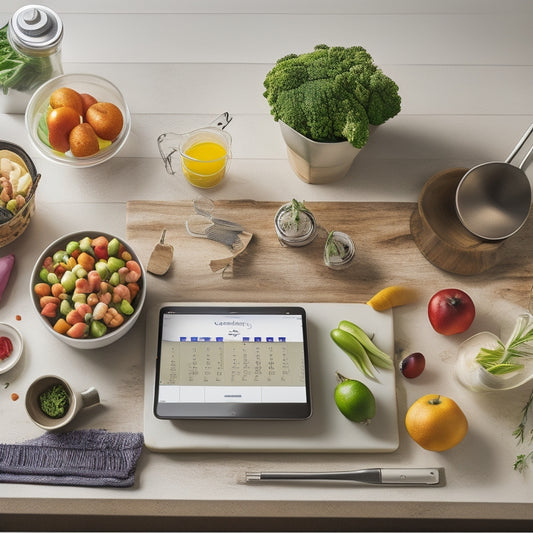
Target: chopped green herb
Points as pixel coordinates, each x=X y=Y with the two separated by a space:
x=54 y=401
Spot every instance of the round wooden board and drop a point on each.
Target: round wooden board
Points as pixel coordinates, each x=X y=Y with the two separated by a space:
x=439 y=234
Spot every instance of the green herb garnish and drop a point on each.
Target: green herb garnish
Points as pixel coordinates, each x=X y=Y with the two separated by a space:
x=20 y=72
x=54 y=401
x=505 y=357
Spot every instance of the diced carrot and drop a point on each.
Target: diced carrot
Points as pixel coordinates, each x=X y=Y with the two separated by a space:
x=86 y=261
x=57 y=289
x=42 y=289
x=62 y=326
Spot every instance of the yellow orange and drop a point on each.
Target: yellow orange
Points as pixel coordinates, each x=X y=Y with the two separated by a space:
x=106 y=119
x=436 y=422
x=393 y=296
x=67 y=97
x=83 y=140
x=87 y=100
x=60 y=122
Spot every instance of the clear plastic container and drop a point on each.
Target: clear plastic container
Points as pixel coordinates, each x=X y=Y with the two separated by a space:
x=34 y=35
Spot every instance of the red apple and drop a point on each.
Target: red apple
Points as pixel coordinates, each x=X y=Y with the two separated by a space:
x=451 y=311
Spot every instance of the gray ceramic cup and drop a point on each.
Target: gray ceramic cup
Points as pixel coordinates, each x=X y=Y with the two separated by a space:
x=77 y=401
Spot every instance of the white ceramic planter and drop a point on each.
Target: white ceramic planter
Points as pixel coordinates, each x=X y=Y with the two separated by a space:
x=317 y=162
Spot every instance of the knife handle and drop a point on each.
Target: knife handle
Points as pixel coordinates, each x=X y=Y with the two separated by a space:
x=410 y=476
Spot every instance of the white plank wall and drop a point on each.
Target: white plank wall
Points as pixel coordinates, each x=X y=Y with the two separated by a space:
x=465 y=72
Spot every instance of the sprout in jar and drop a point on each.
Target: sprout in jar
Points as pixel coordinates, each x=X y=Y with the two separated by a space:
x=295 y=224
x=339 y=250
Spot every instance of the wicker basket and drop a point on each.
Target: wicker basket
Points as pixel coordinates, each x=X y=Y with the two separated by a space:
x=16 y=226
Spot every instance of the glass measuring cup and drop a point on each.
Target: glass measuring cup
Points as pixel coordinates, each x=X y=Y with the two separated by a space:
x=204 y=154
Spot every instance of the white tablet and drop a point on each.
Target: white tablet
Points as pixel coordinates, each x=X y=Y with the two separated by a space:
x=234 y=362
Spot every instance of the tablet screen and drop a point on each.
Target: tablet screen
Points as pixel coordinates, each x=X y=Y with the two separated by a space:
x=232 y=362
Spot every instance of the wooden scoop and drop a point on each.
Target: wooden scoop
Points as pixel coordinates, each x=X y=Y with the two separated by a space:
x=161 y=257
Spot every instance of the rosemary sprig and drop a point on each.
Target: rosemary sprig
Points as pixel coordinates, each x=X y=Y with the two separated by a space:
x=522 y=460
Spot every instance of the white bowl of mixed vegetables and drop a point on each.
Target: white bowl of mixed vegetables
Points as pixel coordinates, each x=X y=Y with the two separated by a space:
x=88 y=288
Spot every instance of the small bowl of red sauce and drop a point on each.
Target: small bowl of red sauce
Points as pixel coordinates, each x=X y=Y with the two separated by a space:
x=10 y=347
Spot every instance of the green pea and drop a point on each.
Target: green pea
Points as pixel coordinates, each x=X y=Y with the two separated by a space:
x=79 y=271
x=85 y=246
x=114 y=263
x=72 y=246
x=101 y=268
x=43 y=275
x=60 y=257
x=52 y=278
x=79 y=297
x=114 y=279
x=126 y=308
x=64 y=307
x=68 y=280
x=113 y=247
x=97 y=328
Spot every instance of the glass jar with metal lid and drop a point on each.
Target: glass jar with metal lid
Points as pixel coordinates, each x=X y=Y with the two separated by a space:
x=30 y=53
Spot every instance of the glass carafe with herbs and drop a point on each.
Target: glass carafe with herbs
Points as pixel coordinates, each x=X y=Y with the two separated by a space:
x=30 y=54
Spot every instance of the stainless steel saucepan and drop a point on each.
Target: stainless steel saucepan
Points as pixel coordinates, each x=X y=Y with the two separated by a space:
x=493 y=199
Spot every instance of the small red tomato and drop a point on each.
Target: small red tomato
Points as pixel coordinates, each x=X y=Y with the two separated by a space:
x=413 y=365
x=59 y=270
x=100 y=252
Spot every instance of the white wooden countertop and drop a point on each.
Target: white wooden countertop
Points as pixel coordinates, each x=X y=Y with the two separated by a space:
x=465 y=72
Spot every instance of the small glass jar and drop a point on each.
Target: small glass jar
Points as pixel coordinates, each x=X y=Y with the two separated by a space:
x=295 y=232
x=474 y=377
x=34 y=34
x=339 y=250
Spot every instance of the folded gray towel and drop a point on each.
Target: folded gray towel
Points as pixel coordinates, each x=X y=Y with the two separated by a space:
x=83 y=457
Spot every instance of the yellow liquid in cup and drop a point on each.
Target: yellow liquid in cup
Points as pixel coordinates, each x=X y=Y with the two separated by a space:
x=207 y=164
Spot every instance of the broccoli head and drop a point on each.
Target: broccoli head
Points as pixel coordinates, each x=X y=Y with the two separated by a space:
x=331 y=94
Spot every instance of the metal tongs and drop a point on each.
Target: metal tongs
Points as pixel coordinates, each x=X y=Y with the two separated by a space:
x=204 y=225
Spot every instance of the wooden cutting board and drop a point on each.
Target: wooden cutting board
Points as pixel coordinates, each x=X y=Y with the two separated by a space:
x=386 y=254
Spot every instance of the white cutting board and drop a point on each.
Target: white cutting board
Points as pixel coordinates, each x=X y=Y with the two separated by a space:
x=327 y=430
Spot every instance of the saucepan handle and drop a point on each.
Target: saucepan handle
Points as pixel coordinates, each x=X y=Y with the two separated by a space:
x=520 y=144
